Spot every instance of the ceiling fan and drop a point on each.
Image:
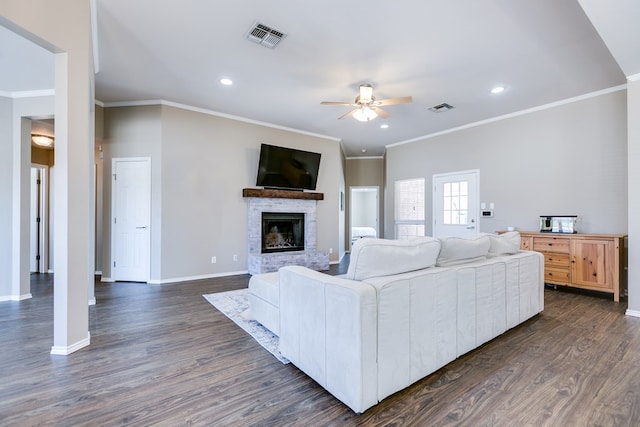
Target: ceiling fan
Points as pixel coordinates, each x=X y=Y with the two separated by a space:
x=366 y=107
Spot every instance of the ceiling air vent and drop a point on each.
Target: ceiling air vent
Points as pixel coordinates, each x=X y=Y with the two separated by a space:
x=264 y=35
x=441 y=108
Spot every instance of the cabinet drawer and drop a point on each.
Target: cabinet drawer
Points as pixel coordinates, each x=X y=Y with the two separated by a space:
x=558 y=276
x=551 y=244
x=555 y=259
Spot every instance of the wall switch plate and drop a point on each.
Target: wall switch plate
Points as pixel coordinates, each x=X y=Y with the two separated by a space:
x=213 y=260
x=235 y=257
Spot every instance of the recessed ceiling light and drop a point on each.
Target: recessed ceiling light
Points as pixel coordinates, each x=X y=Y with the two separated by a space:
x=226 y=82
x=497 y=89
x=384 y=126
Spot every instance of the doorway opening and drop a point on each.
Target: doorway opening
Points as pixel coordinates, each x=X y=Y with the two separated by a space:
x=39 y=220
x=364 y=212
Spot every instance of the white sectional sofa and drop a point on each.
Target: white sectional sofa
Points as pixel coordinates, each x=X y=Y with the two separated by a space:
x=403 y=310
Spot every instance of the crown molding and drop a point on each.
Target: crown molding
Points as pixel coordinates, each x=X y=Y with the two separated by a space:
x=515 y=114
x=28 y=93
x=214 y=113
x=633 y=77
x=365 y=158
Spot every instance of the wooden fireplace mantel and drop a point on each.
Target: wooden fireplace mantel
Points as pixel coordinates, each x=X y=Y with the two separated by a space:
x=281 y=194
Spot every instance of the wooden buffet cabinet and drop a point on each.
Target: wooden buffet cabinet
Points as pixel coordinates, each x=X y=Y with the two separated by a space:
x=588 y=261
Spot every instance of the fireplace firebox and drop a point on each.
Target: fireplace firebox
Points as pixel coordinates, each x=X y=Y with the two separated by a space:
x=282 y=232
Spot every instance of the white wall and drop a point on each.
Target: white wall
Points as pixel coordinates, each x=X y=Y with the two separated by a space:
x=200 y=164
x=633 y=97
x=364 y=206
x=566 y=160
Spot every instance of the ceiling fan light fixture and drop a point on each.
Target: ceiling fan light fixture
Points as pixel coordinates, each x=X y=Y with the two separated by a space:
x=366 y=94
x=42 y=140
x=364 y=114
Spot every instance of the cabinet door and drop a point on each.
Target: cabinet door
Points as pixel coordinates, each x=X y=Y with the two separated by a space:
x=592 y=263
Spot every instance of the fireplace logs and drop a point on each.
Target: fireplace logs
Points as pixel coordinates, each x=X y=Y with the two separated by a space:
x=282 y=232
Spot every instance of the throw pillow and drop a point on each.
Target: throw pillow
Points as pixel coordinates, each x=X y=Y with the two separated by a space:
x=458 y=250
x=504 y=244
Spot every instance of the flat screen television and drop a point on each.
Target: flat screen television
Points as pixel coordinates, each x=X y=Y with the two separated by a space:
x=287 y=168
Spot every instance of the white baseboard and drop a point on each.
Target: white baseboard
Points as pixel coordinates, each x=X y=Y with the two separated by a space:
x=64 y=351
x=189 y=278
x=92 y=301
x=184 y=279
x=632 y=313
x=15 y=297
x=98 y=273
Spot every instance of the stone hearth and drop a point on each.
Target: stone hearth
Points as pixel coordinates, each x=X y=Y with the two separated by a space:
x=279 y=202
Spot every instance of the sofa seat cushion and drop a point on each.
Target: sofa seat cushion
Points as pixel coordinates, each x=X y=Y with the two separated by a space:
x=458 y=250
x=381 y=257
x=266 y=286
x=264 y=300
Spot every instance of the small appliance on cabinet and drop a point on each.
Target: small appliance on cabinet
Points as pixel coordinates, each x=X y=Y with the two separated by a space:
x=559 y=224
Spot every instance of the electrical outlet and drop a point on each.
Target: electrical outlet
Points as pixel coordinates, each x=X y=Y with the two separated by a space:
x=235 y=257
x=330 y=250
x=213 y=260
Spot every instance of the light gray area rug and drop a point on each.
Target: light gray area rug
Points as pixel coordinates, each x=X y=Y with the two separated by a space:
x=235 y=305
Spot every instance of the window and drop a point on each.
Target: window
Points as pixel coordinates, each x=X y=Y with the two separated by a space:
x=456 y=202
x=409 y=208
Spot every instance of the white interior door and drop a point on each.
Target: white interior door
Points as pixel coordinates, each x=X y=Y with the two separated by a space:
x=455 y=204
x=131 y=200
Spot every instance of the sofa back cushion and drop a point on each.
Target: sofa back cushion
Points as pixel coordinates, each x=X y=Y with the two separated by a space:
x=458 y=250
x=381 y=257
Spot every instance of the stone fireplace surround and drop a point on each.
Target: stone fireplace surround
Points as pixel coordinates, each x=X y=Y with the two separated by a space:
x=282 y=201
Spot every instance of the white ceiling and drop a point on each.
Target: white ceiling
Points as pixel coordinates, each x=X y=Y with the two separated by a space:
x=541 y=51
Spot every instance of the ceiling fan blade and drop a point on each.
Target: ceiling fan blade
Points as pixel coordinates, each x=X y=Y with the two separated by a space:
x=380 y=112
x=336 y=103
x=347 y=114
x=393 y=101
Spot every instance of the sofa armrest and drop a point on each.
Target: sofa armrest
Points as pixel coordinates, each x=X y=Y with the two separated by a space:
x=328 y=330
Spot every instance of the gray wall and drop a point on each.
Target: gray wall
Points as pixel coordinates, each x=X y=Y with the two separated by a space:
x=132 y=132
x=6 y=168
x=566 y=160
x=199 y=164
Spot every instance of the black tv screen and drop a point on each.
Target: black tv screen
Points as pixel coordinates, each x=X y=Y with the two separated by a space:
x=287 y=168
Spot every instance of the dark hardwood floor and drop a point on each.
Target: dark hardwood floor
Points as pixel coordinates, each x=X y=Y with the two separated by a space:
x=162 y=355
